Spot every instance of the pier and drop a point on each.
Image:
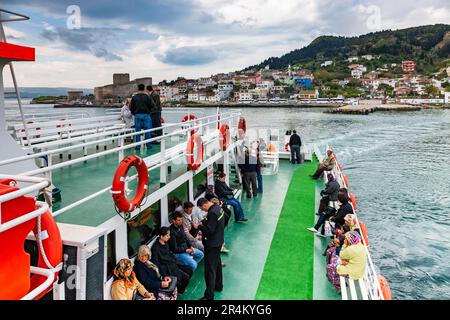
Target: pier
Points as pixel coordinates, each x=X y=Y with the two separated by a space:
x=368 y=107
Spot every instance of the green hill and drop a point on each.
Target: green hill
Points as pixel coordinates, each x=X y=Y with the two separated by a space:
x=429 y=46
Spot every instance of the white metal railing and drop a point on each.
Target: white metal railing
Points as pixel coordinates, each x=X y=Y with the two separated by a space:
x=369 y=284
x=155 y=161
x=122 y=136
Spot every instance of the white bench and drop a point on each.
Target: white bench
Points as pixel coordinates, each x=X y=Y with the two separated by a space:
x=40 y=132
x=353 y=289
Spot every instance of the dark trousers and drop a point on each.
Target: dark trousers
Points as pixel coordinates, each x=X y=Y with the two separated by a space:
x=156 y=122
x=322 y=218
x=213 y=271
x=295 y=153
x=323 y=204
x=250 y=183
x=319 y=171
x=183 y=274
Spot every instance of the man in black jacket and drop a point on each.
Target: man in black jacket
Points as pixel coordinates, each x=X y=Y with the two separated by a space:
x=168 y=263
x=180 y=245
x=345 y=208
x=332 y=215
x=156 y=112
x=330 y=193
x=225 y=194
x=141 y=106
x=213 y=237
x=295 y=144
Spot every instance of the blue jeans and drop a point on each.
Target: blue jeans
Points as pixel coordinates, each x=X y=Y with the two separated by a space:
x=237 y=208
x=295 y=153
x=143 y=122
x=260 y=183
x=191 y=260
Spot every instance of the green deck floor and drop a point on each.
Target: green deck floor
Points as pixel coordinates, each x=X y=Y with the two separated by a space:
x=288 y=273
x=249 y=243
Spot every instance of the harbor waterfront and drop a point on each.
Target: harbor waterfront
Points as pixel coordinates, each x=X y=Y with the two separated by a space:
x=398 y=163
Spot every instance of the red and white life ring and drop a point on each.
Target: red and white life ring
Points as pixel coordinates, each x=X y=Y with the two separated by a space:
x=50 y=248
x=118 y=185
x=190 y=118
x=385 y=289
x=224 y=138
x=363 y=229
x=287 y=148
x=345 y=181
x=353 y=201
x=194 y=141
x=242 y=126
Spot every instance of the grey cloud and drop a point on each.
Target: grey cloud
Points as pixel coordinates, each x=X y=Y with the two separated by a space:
x=189 y=56
x=93 y=40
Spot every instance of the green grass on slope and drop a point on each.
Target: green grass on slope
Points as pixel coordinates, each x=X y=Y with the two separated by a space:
x=289 y=268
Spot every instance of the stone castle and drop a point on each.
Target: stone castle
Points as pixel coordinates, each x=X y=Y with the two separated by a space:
x=121 y=87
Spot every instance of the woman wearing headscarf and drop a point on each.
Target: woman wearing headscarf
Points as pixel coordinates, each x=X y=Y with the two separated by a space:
x=149 y=275
x=126 y=285
x=351 y=223
x=353 y=257
x=332 y=255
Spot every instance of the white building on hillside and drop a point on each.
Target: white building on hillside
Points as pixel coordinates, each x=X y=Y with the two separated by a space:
x=327 y=63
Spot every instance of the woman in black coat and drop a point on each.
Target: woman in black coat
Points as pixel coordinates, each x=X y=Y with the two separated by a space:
x=149 y=276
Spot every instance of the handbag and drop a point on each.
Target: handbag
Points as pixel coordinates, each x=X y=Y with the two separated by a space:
x=171 y=288
x=328 y=228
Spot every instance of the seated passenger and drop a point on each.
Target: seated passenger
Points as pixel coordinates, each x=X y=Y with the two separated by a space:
x=126 y=286
x=337 y=218
x=150 y=277
x=330 y=193
x=190 y=228
x=168 y=263
x=351 y=224
x=332 y=255
x=326 y=165
x=225 y=194
x=179 y=244
x=353 y=257
x=344 y=209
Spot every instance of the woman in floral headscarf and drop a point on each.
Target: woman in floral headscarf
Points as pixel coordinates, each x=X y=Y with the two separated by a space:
x=125 y=285
x=353 y=257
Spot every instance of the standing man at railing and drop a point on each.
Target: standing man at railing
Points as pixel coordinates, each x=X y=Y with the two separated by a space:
x=156 y=113
x=295 y=143
x=141 y=107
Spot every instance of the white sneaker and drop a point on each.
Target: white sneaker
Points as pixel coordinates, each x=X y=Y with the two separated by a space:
x=312 y=230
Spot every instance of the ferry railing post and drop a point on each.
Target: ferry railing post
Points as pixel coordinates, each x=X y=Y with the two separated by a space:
x=121 y=152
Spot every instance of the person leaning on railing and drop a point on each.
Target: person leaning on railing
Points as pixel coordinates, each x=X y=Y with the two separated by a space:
x=126 y=286
x=141 y=107
x=326 y=165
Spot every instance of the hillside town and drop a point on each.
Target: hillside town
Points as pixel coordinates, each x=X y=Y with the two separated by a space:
x=399 y=82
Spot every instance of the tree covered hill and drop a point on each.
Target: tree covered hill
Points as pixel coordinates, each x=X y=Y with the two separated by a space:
x=428 y=46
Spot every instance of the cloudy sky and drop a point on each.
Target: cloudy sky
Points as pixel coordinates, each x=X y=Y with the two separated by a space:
x=190 y=38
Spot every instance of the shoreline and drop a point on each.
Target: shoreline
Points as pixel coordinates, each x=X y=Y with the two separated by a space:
x=220 y=105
